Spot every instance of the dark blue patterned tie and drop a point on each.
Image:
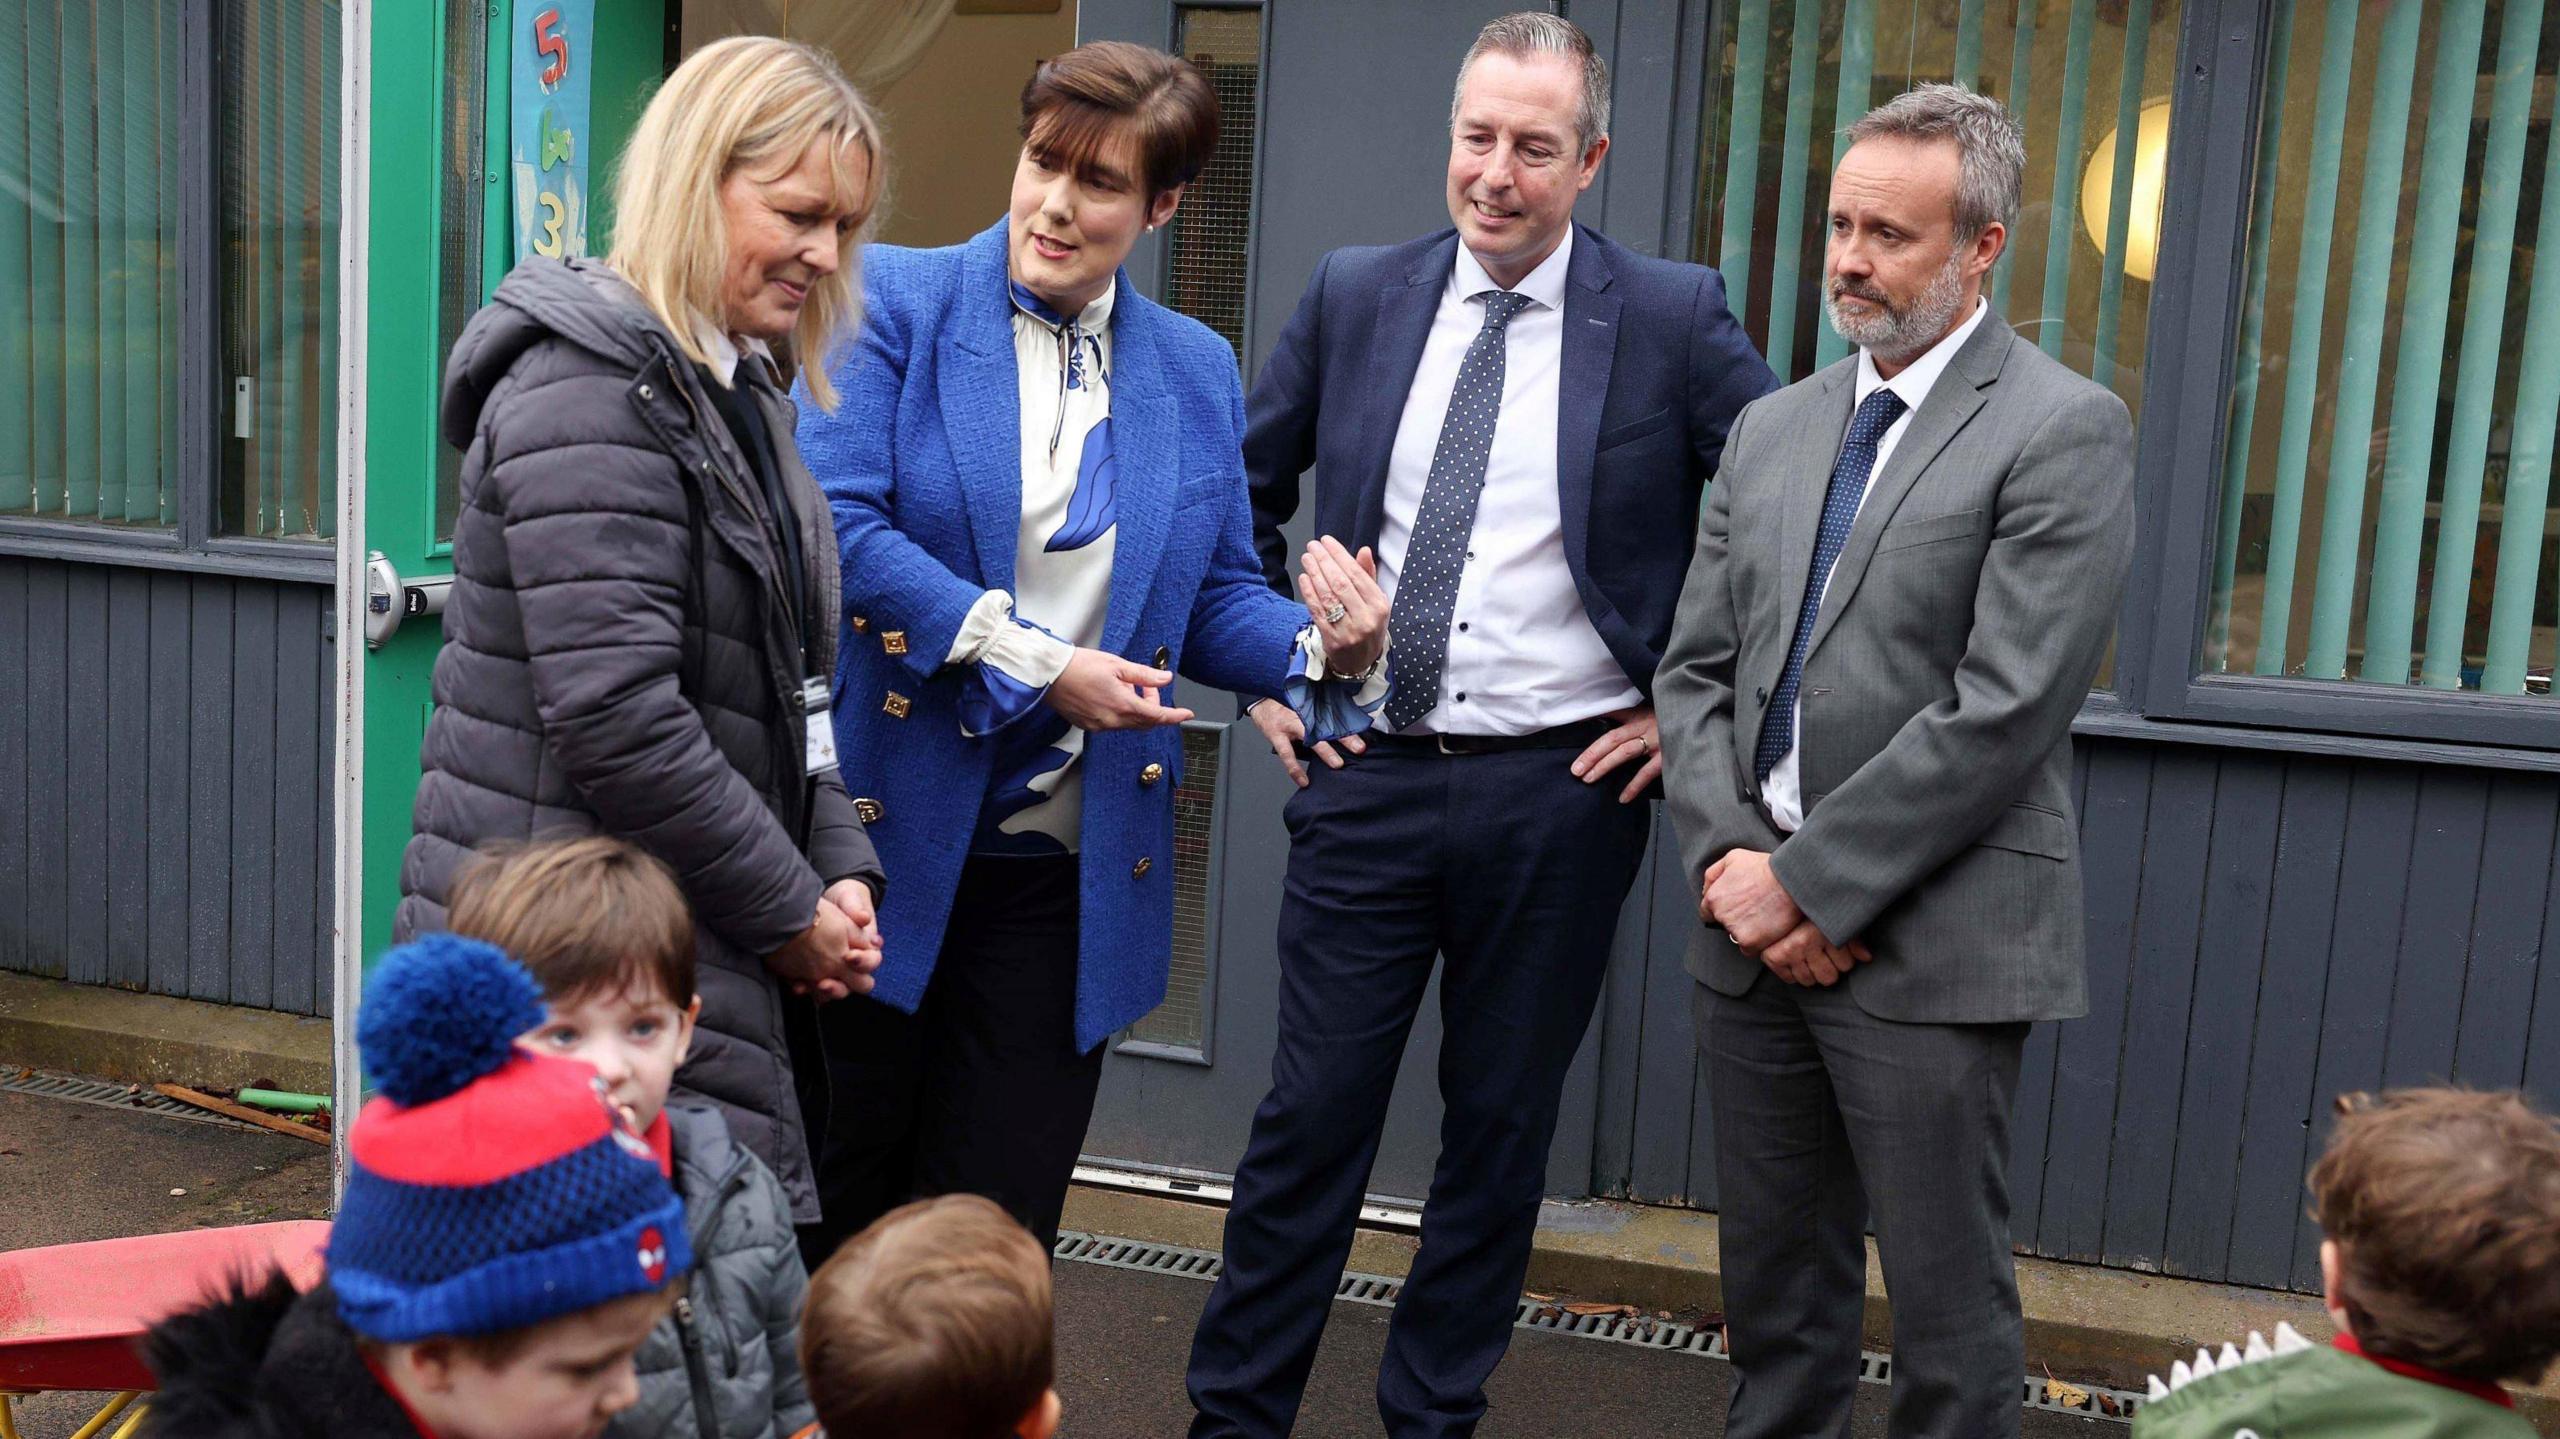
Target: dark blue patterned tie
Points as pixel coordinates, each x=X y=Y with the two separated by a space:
x=1436 y=554
x=1839 y=513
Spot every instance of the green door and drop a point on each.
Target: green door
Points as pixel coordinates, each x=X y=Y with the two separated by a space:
x=439 y=236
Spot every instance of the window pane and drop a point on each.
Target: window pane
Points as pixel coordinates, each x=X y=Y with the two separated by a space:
x=2090 y=81
x=461 y=238
x=277 y=69
x=2386 y=508
x=1208 y=236
x=89 y=308
x=1182 y=1021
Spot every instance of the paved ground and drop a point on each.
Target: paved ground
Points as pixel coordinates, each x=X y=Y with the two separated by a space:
x=76 y=1172
x=1123 y=1338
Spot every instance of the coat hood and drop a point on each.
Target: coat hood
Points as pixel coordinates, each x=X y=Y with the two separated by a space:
x=208 y=1359
x=584 y=302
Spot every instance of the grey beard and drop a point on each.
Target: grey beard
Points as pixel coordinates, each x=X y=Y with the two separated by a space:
x=1903 y=334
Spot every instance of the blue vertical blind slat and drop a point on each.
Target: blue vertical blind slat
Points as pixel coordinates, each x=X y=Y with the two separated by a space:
x=2310 y=300
x=2360 y=355
x=2476 y=384
x=2253 y=319
x=1742 y=151
x=2426 y=308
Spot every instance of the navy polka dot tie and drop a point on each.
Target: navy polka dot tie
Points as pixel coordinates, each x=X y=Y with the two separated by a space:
x=1839 y=512
x=1427 y=581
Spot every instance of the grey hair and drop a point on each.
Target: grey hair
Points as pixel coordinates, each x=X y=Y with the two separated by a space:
x=1535 y=32
x=1991 y=149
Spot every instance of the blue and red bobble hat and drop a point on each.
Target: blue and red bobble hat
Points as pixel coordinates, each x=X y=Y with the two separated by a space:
x=490 y=1188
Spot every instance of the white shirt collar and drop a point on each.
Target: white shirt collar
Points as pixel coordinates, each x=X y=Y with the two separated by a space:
x=1543 y=285
x=1916 y=379
x=725 y=351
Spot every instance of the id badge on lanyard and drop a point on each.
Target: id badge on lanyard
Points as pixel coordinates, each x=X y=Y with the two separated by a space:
x=816 y=704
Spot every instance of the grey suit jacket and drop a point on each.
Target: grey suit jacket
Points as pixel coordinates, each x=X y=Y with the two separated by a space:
x=1964 y=621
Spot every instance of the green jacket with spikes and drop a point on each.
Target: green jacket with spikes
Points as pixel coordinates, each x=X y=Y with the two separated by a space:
x=2322 y=1393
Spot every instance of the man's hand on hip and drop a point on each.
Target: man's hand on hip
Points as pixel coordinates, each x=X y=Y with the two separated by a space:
x=1635 y=736
x=1804 y=957
x=1282 y=730
x=1743 y=894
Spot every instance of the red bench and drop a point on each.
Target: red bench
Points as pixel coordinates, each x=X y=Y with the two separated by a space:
x=71 y=1314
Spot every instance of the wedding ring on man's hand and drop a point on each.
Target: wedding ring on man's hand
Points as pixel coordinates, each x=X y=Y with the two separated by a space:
x=1334 y=615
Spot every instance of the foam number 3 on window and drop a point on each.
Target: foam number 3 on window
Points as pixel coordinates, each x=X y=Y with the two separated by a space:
x=551 y=246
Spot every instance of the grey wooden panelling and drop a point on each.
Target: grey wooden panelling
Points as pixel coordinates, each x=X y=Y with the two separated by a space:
x=164 y=819
x=2265 y=932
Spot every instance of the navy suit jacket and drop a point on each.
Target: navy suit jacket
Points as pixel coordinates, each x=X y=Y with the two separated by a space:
x=1655 y=369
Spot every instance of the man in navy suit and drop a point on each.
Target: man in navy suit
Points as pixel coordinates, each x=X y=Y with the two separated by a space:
x=1519 y=417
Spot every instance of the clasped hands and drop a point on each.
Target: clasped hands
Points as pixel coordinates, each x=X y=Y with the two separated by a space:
x=1741 y=893
x=835 y=955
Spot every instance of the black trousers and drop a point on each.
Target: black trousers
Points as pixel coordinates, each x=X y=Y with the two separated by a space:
x=1512 y=869
x=981 y=1090
x=1823 y=1112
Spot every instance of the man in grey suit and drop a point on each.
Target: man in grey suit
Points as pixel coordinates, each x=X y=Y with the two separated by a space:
x=1904 y=581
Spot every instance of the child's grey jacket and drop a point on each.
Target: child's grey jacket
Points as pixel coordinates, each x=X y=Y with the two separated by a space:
x=735 y=1337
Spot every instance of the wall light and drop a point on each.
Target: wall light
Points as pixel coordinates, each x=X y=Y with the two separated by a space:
x=2097 y=190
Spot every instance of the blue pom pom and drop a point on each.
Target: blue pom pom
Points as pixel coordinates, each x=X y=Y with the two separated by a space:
x=440 y=1012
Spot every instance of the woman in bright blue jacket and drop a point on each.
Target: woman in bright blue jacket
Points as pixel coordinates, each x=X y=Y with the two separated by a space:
x=1040 y=497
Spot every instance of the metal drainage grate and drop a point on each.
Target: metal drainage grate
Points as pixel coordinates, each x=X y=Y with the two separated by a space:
x=111 y=1096
x=2099 y=1403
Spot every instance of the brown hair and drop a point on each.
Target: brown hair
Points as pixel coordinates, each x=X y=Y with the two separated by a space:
x=2445 y=1207
x=931 y=1324
x=587 y=916
x=1074 y=104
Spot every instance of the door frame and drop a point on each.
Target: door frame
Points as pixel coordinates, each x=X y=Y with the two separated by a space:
x=346 y=958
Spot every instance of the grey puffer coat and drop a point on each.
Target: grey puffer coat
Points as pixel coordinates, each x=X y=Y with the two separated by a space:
x=735 y=1336
x=622 y=656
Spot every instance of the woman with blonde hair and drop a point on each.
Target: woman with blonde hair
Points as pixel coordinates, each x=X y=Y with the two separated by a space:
x=643 y=618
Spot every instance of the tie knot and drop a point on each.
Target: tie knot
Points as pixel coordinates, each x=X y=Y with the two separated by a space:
x=1501 y=305
x=1876 y=415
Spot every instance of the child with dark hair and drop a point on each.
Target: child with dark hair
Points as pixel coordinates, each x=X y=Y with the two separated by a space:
x=2442 y=1266
x=934 y=1323
x=606 y=931
x=503 y=1246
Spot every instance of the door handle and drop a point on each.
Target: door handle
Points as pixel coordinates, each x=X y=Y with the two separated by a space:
x=388 y=601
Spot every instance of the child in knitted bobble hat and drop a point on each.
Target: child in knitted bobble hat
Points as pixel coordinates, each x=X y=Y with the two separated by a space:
x=504 y=1244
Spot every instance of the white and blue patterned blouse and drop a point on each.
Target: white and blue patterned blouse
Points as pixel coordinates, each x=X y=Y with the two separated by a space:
x=1018 y=644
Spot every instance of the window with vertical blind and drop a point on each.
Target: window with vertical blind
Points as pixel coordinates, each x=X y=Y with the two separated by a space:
x=158 y=158
x=90 y=321
x=278 y=65
x=2385 y=506
x=2089 y=79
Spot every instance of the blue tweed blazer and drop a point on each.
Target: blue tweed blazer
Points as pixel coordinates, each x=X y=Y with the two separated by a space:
x=922 y=467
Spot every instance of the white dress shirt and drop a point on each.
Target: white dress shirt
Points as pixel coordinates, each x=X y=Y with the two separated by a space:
x=1523 y=655
x=1784 y=793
